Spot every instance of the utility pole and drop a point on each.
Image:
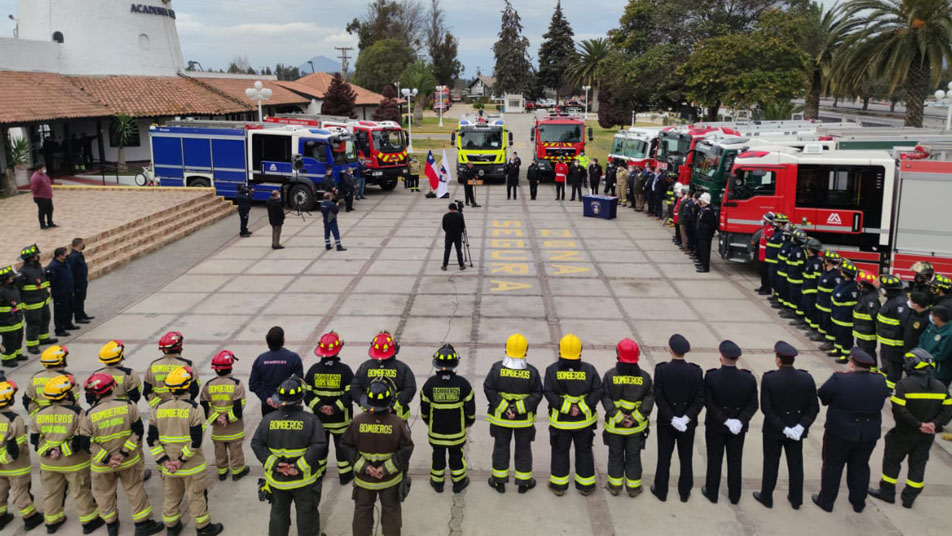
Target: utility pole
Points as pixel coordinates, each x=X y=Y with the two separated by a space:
x=344 y=65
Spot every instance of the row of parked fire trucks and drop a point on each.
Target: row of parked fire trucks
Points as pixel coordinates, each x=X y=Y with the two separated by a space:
x=879 y=196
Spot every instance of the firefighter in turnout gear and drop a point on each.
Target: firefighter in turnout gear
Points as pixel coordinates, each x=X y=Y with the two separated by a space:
x=128 y=385
x=64 y=457
x=628 y=399
x=941 y=291
x=224 y=402
x=35 y=296
x=14 y=463
x=921 y=406
x=11 y=319
x=780 y=284
x=796 y=259
x=115 y=434
x=865 y=312
x=54 y=364
x=290 y=444
x=154 y=389
x=923 y=272
x=176 y=430
x=844 y=299
x=513 y=391
x=329 y=397
x=573 y=389
x=379 y=446
x=889 y=328
x=772 y=248
x=812 y=270
x=830 y=279
x=383 y=363
x=448 y=407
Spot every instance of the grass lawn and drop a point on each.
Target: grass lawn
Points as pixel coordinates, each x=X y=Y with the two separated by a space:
x=431 y=125
x=424 y=144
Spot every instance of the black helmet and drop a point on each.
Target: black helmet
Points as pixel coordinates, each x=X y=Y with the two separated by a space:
x=446 y=358
x=379 y=395
x=848 y=268
x=919 y=361
x=890 y=282
x=814 y=245
x=799 y=236
x=290 y=392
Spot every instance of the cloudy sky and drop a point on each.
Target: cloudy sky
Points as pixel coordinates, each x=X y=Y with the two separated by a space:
x=291 y=31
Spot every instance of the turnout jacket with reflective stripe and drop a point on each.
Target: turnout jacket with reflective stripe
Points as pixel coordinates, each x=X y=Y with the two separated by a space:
x=919 y=399
x=392 y=368
x=128 y=385
x=11 y=313
x=864 y=316
x=154 y=389
x=812 y=271
x=33 y=399
x=516 y=389
x=14 y=451
x=293 y=436
x=844 y=299
x=34 y=287
x=568 y=384
x=176 y=427
x=225 y=396
x=57 y=427
x=329 y=384
x=889 y=328
x=448 y=406
x=828 y=282
x=113 y=427
x=627 y=392
x=378 y=440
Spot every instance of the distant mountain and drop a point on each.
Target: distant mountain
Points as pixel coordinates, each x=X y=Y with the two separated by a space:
x=322 y=64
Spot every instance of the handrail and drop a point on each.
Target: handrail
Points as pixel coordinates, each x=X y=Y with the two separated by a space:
x=103 y=166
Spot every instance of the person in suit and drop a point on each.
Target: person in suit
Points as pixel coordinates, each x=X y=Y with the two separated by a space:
x=576 y=179
x=789 y=404
x=853 y=425
x=62 y=288
x=730 y=396
x=275 y=218
x=243 y=201
x=77 y=265
x=679 y=397
x=594 y=176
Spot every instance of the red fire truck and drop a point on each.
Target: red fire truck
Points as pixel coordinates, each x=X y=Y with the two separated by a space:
x=557 y=136
x=676 y=148
x=381 y=145
x=882 y=216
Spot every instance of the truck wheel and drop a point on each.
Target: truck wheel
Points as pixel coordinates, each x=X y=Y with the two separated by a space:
x=199 y=182
x=388 y=184
x=301 y=196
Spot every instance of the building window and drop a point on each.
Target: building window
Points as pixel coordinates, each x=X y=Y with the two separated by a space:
x=58 y=37
x=143 y=41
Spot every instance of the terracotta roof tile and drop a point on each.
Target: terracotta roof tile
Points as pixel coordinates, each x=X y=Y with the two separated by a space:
x=235 y=88
x=319 y=82
x=29 y=96
x=147 y=96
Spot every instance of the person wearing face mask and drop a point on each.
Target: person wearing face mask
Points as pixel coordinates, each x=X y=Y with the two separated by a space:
x=937 y=340
x=42 y=189
x=77 y=265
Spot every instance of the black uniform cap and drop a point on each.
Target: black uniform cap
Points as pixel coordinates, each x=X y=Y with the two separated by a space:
x=678 y=344
x=862 y=357
x=785 y=349
x=729 y=349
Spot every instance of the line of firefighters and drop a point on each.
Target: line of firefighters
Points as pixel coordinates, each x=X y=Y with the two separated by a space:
x=88 y=452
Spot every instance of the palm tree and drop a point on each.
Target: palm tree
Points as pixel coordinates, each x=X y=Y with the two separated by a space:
x=419 y=75
x=822 y=47
x=906 y=42
x=583 y=71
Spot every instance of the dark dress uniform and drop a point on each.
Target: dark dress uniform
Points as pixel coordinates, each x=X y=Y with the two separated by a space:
x=796 y=259
x=533 y=175
x=568 y=383
x=787 y=399
x=812 y=271
x=511 y=171
x=243 y=200
x=853 y=425
x=611 y=177
x=392 y=368
x=329 y=385
x=77 y=265
x=448 y=407
x=678 y=391
x=844 y=299
x=690 y=223
x=576 y=180
x=518 y=390
x=864 y=320
x=11 y=324
x=465 y=176
x=294 y=436
x=626 y=391
x=730 y=393
x=35 y=293
x=61 y=291
x=890 y=333
x=706 y=226
x=919 y=398
x=824 y=302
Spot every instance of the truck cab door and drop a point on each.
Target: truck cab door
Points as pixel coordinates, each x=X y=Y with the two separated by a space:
x=315 y=157
x=750 y=193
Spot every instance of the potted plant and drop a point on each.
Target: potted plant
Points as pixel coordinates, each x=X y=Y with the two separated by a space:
x=18 y=156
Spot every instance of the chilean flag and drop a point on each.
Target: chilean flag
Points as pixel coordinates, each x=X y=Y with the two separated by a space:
x=430 y=170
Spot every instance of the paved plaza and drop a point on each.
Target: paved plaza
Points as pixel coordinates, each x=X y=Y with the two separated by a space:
x=540 y=268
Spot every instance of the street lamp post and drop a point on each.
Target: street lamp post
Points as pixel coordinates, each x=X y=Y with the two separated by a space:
x=586 y=88
x=258 y=93
x=947 y=95
x=409 y=93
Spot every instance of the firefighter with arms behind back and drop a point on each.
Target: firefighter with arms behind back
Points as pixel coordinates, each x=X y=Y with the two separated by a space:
x=329 y=397
x=154 y=389
x=14 y=463
x=628 y=399
x=383 y=363
x=224 y=402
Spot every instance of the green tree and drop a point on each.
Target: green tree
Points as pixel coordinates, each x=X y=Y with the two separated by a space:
x=513 y=68
x=286 y=73
x=609 y=115
x=418 y=75
x=339 y=99
x=583 y=71
x=906 y=42
x=778 y=110
x=386 y=19
x=389 y=109
x=442 y=46
x=381 y=64
x=557 y=51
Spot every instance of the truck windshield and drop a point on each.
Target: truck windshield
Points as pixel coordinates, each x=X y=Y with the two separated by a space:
x=345 y=152
x=560 y=133
x=706 y=161
x=637 y=149
x=389 y=141
x=481 y=139
x=672 y=145
x=618 y=145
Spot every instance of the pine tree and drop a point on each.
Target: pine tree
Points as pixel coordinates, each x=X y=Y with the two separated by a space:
x=512 y=58
x=389 y=109
x=339 y=99
x=556 y=51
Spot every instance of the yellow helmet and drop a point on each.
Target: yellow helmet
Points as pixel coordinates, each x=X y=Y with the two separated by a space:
x=8 y=391
x=570 y=347
x=58 y=388
x=516 y=346
x=54 y=356
x=112 y=352
x=179 y=379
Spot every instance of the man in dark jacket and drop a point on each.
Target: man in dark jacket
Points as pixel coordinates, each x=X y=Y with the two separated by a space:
x=275 y=218
x=512 y=179
x=788 y=401
x=35 y=295
x=272 y=368
x=853 y=425
x=611 y=174
x=679 y=397
x=594 y=176
x=533 y=174
x=77 y=265
x=454 y=226
x=706 y=227
x=348 y=186
x=576 y=179
x=731 y=400
x=61 y=290
x=243 y=200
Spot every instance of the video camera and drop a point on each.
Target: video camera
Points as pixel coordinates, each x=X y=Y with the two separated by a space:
x=459 y=205
x=245 y=188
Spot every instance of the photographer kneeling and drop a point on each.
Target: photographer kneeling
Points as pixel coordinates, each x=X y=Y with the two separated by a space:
x=454 y=226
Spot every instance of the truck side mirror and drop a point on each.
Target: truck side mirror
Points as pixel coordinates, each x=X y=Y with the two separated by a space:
x=297 y=162
x=452 y=138
x=590 y=136
x=510 y=139
x=532 y=135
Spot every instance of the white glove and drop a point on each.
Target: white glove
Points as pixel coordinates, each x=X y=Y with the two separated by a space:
x=734 y=425
x=798 y=432
x=787 y=431
x=680 y=423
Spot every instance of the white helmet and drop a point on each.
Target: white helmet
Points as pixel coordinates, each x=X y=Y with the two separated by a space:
x=706 y=198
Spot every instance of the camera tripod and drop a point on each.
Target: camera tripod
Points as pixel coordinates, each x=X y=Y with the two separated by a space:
x=467 y=255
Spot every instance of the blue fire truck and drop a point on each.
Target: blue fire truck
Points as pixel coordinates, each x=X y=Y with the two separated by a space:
x=295 y=160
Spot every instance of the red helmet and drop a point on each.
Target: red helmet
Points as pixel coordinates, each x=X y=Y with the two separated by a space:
x=628 y=351
x=330 y=345
x=224 y=360
x=383 y=346
x=171 y=342
x=100 y=384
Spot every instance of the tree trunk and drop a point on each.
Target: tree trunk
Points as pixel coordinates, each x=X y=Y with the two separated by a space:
x=811 y=107
x=865 y=102
x=836 y=100
x=916 y=91
x=121 y=159
x=418 y=109
x=593 y=105
x=892 y=104
x=713 y=110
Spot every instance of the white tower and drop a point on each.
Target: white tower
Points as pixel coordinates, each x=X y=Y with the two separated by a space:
x=105 y=36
